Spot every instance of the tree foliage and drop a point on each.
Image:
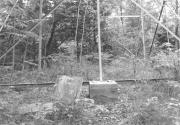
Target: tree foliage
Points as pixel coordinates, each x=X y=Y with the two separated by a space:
x=120 y=36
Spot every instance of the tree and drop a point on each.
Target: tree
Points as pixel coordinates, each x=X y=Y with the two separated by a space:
x=177 y=24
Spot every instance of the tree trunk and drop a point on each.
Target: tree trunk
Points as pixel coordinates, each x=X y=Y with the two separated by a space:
x=49 y=49
x=24 y=57
x=177 y=69
x=34 y=51
x=76 y=35
x=122 y=21
x=13 y=59
x=94 y=45
x=177 y=25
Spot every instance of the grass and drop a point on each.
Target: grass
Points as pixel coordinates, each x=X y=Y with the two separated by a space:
x=145 y=103
x=116 y=69
x=149 y=101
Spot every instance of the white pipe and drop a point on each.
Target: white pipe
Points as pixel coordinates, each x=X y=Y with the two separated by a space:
x=142 y=29
x=40 y=36
x=99 y=41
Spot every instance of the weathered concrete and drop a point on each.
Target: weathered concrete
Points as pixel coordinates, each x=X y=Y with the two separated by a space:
x=103 y=91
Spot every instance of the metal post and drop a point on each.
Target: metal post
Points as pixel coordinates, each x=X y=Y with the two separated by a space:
x=40 y=35
x=142 y=28
x=99 y=40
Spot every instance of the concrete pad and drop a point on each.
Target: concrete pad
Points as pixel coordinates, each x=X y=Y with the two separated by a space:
x=103 y=91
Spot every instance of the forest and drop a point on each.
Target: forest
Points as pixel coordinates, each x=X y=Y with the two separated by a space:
x=51 y=48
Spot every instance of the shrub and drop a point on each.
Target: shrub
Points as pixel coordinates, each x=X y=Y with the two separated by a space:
x=151 y=116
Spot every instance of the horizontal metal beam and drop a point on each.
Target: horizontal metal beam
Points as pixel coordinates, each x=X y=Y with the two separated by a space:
x=23 y=84
x=126 y=16
x=87 y=82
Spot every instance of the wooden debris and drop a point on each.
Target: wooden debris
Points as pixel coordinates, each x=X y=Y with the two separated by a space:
x=103 y=91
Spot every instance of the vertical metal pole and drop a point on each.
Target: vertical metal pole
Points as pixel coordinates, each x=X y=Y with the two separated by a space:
x=40 y=36
x=142 y=28
x=99 y=40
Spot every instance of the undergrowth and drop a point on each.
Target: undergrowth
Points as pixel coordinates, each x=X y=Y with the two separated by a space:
x=148 y=100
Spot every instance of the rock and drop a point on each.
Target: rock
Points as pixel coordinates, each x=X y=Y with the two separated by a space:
x=67 y=89
x=152 y=100
x=101 y=108
x=177 y=122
